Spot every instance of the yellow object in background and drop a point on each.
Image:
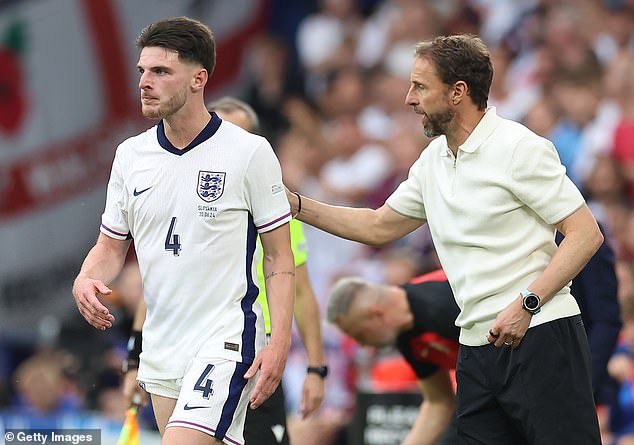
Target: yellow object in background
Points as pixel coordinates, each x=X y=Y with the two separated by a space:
x=130 y=431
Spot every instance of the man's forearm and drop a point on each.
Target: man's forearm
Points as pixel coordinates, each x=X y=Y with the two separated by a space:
x=582 y=239
x=279 y=276
x=105 y=260
x=364 y=225
x=307 y=317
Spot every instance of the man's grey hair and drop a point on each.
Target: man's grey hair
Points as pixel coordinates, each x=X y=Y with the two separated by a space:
x=230 y=104
x=342 y=295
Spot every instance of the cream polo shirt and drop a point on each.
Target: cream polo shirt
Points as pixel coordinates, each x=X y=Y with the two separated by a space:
x=491 y=211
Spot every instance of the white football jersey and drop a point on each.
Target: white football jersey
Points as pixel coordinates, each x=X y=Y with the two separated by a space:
x=194 y=215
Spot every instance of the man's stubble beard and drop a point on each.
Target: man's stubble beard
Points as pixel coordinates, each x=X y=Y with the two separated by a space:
x=174 y=104
x=438 y=123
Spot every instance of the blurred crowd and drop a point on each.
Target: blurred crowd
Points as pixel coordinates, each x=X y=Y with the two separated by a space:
x=329 y=91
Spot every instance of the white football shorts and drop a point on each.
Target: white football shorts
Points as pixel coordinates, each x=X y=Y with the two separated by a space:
x=212 y=397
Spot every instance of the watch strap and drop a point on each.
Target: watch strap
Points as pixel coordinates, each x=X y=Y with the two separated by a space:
x=527 y=293
x=322 y=371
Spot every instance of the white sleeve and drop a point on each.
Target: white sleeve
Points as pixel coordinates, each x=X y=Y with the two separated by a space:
x=265 y=193
x=539 y=180
x=114 y=220
x=407 y=199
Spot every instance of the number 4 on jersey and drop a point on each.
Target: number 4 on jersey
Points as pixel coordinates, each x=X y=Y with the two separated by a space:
x=172 y=241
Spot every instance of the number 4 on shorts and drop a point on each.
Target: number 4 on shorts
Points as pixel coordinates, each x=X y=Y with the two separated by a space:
x=205 y=384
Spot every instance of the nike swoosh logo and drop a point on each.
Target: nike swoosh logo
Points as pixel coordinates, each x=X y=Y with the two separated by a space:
x=187 y=407
x=135 y=193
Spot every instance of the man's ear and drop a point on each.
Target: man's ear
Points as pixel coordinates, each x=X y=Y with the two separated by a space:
x=459 y=92
x=199 y=80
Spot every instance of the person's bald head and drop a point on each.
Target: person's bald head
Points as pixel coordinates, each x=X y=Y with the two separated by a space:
x=363 y=311
x=237 y=112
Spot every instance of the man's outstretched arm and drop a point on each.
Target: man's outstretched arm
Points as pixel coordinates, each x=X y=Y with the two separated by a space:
x=364 y=225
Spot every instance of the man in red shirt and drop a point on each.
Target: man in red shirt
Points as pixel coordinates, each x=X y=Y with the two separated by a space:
x=417 y=318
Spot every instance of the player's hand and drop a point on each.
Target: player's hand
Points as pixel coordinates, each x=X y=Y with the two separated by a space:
x=312 y=394
x=131 y=387
x=270 y=361
x=510 y=326
x=85 y=291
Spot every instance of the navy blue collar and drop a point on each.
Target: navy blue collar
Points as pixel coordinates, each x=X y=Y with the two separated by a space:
x=207 y=132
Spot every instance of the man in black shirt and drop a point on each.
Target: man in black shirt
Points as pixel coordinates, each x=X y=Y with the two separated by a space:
x=419 y=319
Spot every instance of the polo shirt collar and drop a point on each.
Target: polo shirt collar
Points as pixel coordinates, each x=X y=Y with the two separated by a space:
x=482 y=131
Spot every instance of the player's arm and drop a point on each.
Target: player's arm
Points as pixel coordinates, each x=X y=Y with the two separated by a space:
x=436 y=411
x=279 y=278
x=308 y=324
x=101 y=266
x=131 y=364
x=364 y=225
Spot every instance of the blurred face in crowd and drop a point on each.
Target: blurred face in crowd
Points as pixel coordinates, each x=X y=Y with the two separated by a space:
x=165 y=81
x=429 y=97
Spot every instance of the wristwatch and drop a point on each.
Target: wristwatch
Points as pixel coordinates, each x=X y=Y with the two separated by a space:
x=531 y=302
x=322 y=371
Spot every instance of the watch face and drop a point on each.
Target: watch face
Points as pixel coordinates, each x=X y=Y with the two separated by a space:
x=531 y=302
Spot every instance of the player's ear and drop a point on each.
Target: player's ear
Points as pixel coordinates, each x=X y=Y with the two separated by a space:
x=199 y=80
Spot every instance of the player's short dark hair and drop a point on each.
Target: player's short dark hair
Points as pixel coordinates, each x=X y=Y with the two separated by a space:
x=461 y=57
x=191 y=39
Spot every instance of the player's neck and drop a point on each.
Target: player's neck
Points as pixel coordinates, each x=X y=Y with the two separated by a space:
x=182 y=127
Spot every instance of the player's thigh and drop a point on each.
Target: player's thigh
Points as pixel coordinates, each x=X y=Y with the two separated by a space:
x=213 y=399
x=187 y=436
x=163 y=408
x=266 y=425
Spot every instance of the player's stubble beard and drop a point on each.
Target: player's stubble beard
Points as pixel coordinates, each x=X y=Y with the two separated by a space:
x=174 y=104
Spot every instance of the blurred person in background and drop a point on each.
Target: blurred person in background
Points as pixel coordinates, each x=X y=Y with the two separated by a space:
x=203 y=338
x=502 y=291
x=511 y=102
x=272 y=81
x=623 y=136
x=267 y=424
x=419 y=319
x=621 y=368
x=326 y=41
x=45 y=392
x=596 y=290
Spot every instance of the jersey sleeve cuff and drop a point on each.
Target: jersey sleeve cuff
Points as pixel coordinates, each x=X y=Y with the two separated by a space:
x=113 y=233
x=270 y=225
